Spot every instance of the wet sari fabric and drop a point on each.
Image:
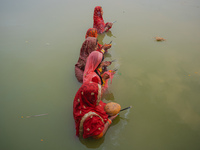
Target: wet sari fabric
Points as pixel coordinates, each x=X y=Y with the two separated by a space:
x=98 y=20
x=90 y=73
x=88 y=46
x=88 y=110
x=92 y=32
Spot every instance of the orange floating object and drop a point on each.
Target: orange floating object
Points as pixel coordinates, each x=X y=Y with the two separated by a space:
x=159 y=38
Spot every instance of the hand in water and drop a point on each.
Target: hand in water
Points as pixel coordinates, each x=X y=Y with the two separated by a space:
x=113 y=117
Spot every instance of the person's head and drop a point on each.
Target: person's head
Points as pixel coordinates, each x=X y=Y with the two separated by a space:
x=93 y=62
x=90 y=44
x=98 y=11
x=90 y=93
x=91 y=32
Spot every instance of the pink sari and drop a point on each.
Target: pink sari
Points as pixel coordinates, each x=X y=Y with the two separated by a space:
x=91 y=73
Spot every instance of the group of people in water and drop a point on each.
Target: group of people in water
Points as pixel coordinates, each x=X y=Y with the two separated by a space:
x=91 y=120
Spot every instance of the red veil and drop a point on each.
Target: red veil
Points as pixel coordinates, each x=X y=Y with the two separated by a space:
x=98 y=20
x=88 y=110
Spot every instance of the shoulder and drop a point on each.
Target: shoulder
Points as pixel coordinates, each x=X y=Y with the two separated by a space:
x=96 y=79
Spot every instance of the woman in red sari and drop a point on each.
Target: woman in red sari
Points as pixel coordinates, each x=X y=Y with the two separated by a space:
x=93 y=69
x=99 y=22
x=90 y=117
x=92 y=32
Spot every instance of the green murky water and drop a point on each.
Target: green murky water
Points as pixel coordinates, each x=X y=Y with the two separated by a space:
x=40 y=43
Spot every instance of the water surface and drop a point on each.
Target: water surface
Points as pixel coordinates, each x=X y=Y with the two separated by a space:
x=40 y=42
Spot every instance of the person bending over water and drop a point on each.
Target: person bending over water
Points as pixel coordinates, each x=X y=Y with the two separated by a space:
x=89 y=45
x=92 y=32
x=93 y=69
x=99 y=22
x=90 y=117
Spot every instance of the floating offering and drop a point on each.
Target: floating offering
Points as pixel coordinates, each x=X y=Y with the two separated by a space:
x=159 y=38
x=112 y=108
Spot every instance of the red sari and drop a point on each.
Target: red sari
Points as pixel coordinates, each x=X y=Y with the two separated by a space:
x=98 y=20
x=88 y=46
x=88 y=110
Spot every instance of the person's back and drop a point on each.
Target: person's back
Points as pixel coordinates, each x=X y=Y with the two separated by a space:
x=88 y=46
x=90 y=117
x=98 y=21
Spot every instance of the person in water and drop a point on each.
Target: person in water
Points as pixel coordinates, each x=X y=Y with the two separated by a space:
x=90 y=117
x=93 y=70
x=89 y=45
x=99 y=22
x=92 y=32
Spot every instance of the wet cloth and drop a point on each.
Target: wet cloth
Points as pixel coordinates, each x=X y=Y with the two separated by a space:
x=92 y=32
x=88 y=110
x=98 y=20
x=88 y=46
x=91 y=72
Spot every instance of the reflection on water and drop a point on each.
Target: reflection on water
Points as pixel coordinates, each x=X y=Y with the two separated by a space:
x=92 y=143
x=101 y=37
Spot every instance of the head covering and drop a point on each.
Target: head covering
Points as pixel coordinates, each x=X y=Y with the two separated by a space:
x=88 y=46
x=91 y=32
x=98 y=20
x=87 y=103
x=93 y=61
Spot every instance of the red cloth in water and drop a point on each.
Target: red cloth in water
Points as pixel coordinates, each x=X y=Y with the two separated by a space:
x=88 y=46
x=88 y=110
x=98 y=20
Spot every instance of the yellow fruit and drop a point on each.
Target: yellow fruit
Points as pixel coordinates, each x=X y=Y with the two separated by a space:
x=112 y=108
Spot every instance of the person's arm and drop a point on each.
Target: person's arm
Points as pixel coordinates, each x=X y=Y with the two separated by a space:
x=108 y=26
x=106 y=125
